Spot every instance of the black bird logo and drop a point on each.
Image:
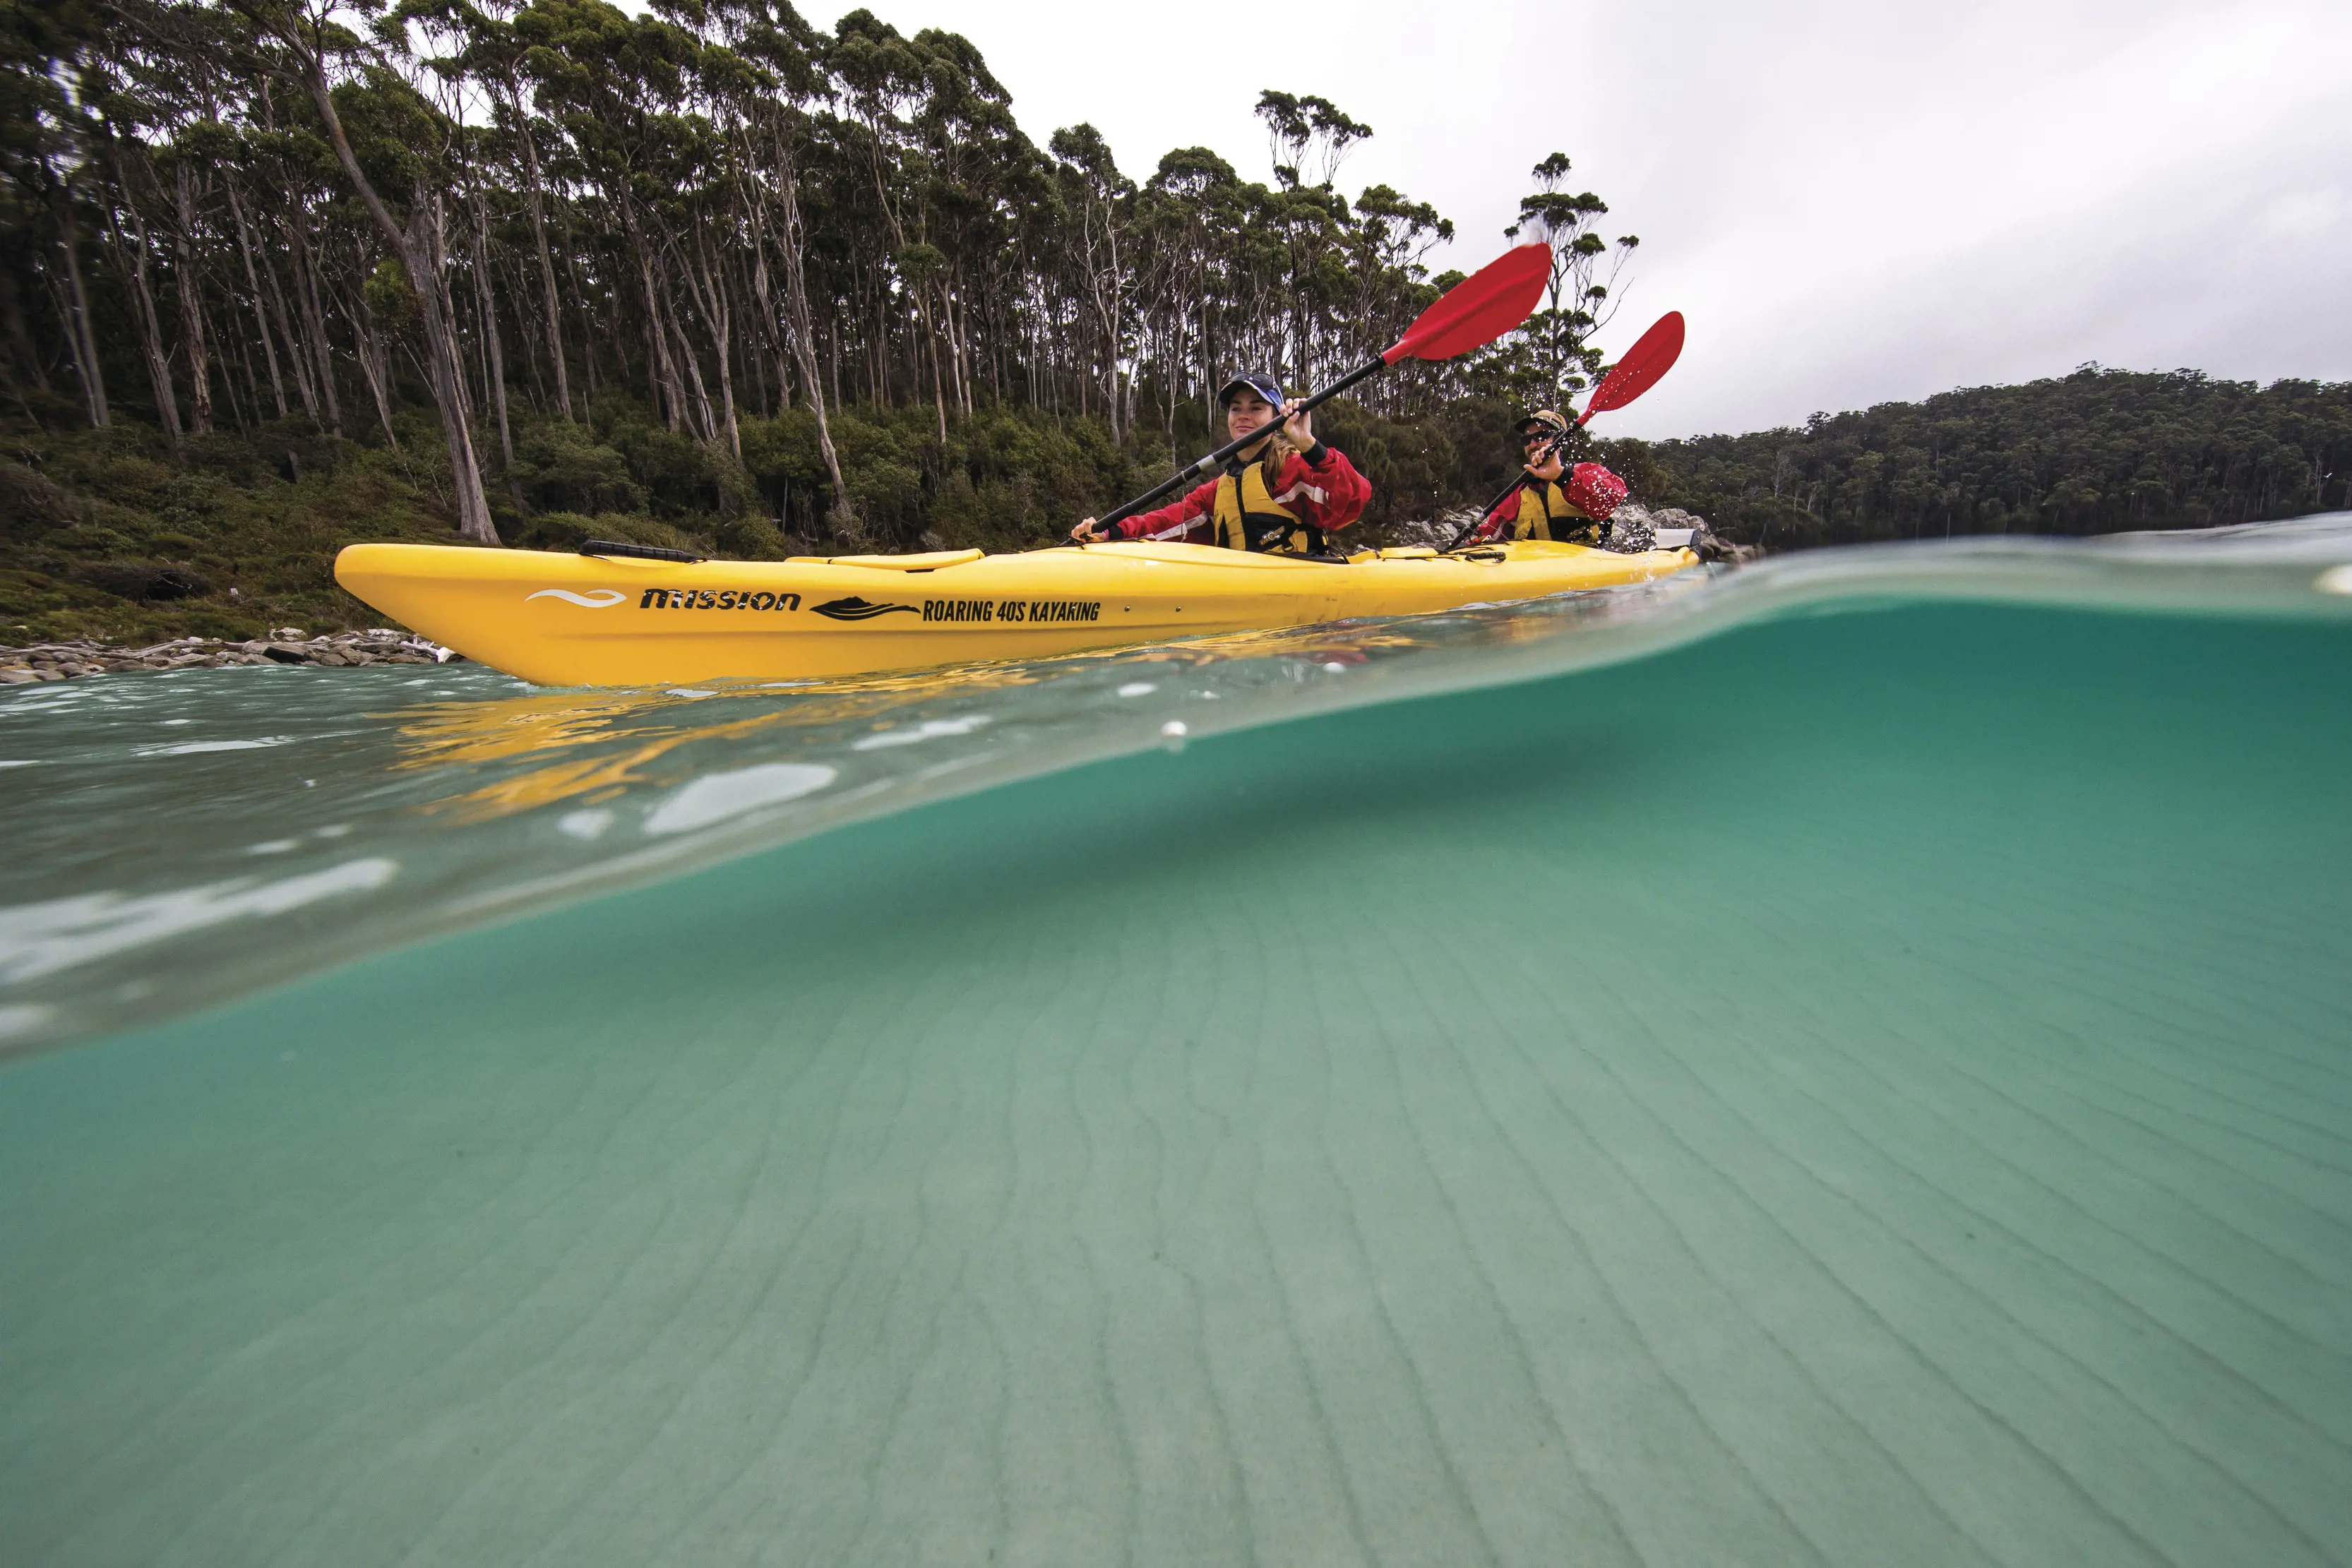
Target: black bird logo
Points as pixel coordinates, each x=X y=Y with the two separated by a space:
x=853 y=608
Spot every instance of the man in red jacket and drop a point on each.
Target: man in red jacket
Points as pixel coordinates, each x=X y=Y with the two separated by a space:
x=1283 y=495
x=1575 y=512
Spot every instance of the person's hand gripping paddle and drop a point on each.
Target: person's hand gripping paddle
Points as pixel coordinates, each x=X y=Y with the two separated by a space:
x=1475 y=311
x=1650 y=357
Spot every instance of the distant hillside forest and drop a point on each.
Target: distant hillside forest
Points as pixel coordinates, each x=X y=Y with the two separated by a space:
x=277 y=277
x=2096 y=452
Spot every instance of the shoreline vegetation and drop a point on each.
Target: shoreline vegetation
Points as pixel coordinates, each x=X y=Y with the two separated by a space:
x=278 y=280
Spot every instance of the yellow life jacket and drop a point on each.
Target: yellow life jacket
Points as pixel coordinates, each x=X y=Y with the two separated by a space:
x=1249 y=517
x=1546 y=513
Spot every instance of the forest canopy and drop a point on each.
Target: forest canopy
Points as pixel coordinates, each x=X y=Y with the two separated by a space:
x=231 y=214
x=280 y=275
x=2096 y=452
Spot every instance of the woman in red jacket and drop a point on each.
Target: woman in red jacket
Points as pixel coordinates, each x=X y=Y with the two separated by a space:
x=1575 y=511
x=1283 y=495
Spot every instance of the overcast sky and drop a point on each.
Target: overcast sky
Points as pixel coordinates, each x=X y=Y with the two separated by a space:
x=1850 y=200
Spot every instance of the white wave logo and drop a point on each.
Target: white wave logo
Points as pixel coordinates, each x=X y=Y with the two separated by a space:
x=596 y=599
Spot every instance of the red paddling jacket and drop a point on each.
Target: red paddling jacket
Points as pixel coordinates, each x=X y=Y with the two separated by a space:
x=1318 y=492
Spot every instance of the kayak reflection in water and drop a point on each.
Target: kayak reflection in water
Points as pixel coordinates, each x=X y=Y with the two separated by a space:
x=1285 y=495
x=1576 y=511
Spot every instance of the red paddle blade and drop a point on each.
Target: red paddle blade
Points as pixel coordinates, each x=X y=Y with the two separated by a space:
x=1480 y=309
x=1650 y=357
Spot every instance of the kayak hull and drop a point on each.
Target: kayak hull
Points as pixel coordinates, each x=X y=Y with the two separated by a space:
x=581 y=619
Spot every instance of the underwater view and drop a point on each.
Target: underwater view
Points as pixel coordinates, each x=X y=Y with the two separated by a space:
x=1843 y=1060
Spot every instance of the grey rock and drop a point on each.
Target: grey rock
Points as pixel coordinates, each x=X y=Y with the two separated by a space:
x=1630 y=530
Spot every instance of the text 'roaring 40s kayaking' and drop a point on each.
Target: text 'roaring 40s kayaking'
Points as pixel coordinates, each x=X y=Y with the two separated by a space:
x=1254 y=546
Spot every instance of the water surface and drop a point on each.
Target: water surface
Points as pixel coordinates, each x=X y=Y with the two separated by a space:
x=1758 y=1085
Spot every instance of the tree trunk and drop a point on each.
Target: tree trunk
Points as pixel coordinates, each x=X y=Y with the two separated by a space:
x=78 y=327
x=422 y=253
x=151 y=326
x=314 y=319
x=376 y=362
x=534 y=194
x=804 y=332
x=493 y=355
x=796 y=301
x=764 y=290
x=939 y=393
x=716 y=315
x=261 y=304
x=709 y=422
x=228 y=371
x=192 y=317
x=588 y=339
x=663 y=367
x=418 y=244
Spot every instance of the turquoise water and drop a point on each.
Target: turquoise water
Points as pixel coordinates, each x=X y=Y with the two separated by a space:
x=1846 y=1063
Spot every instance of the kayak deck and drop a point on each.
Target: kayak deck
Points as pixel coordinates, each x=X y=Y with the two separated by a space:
x=587 y=620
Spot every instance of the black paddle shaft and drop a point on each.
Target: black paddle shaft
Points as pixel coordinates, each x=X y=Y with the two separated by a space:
x=1208 y=464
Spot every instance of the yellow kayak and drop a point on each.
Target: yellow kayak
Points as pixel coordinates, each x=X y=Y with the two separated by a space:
x=592 y=620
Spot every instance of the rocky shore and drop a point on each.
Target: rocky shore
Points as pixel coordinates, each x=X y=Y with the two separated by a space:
x=286 y=645
x=1634 y=528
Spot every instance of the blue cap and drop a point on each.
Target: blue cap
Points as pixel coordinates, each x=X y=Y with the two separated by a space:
x=1259 y=381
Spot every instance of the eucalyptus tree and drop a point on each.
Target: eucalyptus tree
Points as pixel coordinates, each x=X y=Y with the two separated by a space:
x=1308 y=137
x=755 y=82
x=892 y=85
x=126 y=88
x=1183 y=207
x=282 y=185
x=399 y=166
x=483 y=54
x=1579 y=299
x=1100 y=251
x=614 y=84
x=43 y=134
x=1387 y=246
x=975 y=168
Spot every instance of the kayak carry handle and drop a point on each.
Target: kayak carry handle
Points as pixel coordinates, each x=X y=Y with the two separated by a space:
x=637 y=552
